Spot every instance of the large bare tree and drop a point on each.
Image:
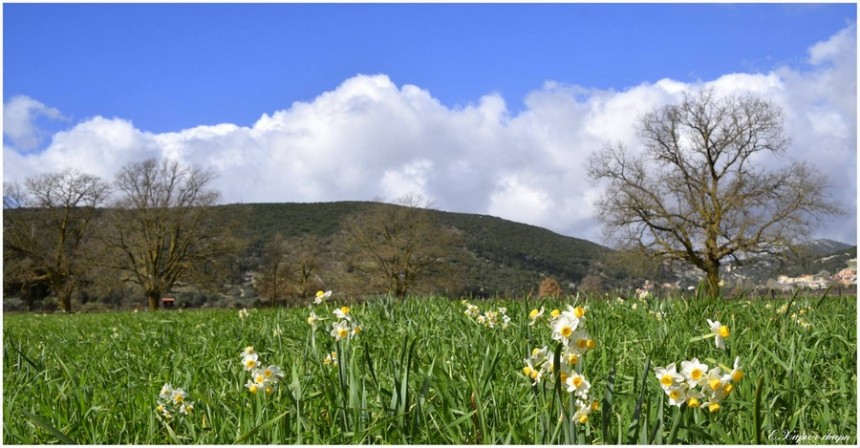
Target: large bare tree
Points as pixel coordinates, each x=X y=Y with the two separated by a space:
x=699 y=193
x=160 y=228
x=46 y=228
x=400 y=248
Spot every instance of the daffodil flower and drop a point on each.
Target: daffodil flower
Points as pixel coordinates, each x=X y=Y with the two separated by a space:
x=678 y=395
x=342 y=313
x=720 y=332
x=563 y=328
x=535 y=314
x=250 y=361
x=340 y=330
x=695 y=372
x=582 y=413
x=578 y=384
x=668 y=376
x=321 y=296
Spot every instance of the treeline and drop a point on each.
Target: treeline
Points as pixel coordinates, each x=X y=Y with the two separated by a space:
x=75 y=239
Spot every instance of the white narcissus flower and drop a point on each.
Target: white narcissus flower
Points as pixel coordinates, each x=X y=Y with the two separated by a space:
x=313 y=319
x=250 y=361
x=535 y=314
x=342 y=313
x=340 y=330
x=166 y=391
x=720 y=331
x=695 y=372
x=578 y=384
x=668 y=376
x=678 y=395
x=563 y=328
x=581 y=415
x=321 y=296
x=737 y=373
x=273 y=374
x=713 y=382
x=532 y=373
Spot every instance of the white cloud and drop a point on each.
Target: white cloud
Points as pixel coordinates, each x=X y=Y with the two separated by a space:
x=19 y=121
x=369 y=138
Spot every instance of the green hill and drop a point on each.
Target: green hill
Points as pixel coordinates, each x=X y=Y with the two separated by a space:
x=506 y=257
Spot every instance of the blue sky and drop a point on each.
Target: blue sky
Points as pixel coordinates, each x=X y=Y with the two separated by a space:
x=168 y=67
x=501 y=100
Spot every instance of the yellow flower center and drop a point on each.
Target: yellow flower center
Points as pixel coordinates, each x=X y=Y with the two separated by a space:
x=667 y=380
x=595 y=405
x=579 y=312
x=250 y=363
x=714 y=407
x=269 y=390
x=267 y=373
x=582 y=344
x=577 y=381
x=534 y=313
x=527 y=371
x=696 y=374
x=253 y=389
x=356 y=330
x=583 y=418
x=728 y=388
x=535 y=351
x=345 y=310
x=675 y=394
x=724 y=331
x=566 y=331
x=554 y=313
x=693 y=402
x=572 y=359
x=342 y=332
x=159 y=408
x=320 y=293
x=715 y=383
x=737 y=375
x=590 y=344
x=563 y=376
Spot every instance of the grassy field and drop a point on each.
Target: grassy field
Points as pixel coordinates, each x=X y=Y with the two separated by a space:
x=423 y=371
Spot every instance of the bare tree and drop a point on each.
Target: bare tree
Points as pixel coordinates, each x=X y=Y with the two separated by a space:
x=46 y=226
x=400 y=248
x=160 y=229
x=696 y=194
x=289 y=268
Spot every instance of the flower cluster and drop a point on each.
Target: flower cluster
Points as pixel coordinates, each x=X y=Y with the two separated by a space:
x=262 y=378
x=797 y=316
x=330 y=359
x=697 y=386
x=172 y=401
x=568 y=328
x=489 y=319
x=345 y=327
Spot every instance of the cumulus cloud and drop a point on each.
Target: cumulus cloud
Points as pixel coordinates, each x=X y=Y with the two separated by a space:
x=19 y=121
x=369 y=138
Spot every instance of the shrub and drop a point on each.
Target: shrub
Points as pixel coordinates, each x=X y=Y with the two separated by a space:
x=549 y=287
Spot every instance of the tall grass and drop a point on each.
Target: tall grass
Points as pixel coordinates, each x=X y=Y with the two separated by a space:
x=422 y=372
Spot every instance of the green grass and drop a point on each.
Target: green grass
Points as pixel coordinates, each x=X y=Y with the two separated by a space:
x=422 y=372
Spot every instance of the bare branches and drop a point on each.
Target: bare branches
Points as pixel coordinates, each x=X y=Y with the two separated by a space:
x=695 y=195
x=159 y=229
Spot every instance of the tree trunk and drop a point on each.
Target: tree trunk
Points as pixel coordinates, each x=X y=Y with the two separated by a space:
x=154 y=298
x=714 y=281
